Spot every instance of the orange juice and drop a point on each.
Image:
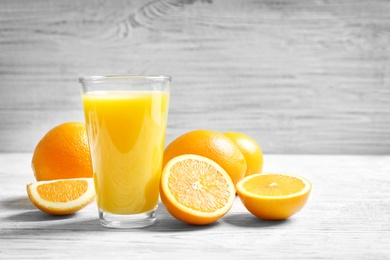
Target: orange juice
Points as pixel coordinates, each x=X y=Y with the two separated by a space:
x=126 y=131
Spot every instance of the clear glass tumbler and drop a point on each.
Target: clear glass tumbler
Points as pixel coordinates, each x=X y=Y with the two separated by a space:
x=126 y=118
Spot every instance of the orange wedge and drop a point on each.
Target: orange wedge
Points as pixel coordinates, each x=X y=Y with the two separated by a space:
x=61 y=197
x=273 y=196
x=196 y=190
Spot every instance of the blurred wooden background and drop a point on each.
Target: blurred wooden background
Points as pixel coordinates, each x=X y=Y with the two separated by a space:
x=298 y=76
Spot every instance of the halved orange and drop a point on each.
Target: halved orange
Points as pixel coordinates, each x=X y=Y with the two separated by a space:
x=273 y=196
x=61 y=197
x=196 y=190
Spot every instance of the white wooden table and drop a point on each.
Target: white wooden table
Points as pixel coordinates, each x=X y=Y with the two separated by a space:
x=346 y=217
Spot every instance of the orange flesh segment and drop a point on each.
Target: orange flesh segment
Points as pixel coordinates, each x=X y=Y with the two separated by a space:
x=57 y=192
x=203 y=189
x=274 y=185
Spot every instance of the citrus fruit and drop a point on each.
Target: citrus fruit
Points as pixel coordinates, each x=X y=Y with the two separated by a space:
x=273 y=196
x=213 y=145
x=61 y=197
x=251 y=151
x=63 y=153
x=196 y=190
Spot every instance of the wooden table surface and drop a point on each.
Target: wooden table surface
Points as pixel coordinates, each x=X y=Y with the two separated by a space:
x=347 y=215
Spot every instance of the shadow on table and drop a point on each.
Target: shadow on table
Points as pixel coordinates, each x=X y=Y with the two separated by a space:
x=165 y=222
x=248 y=220
x=27 y=216
x=37 y=216
x=32 y=218
x=17 y=203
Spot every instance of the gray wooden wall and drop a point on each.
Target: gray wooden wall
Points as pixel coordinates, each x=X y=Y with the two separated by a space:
x=298 y=76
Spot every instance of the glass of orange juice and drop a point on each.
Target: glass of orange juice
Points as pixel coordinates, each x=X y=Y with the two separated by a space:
x=126 y=118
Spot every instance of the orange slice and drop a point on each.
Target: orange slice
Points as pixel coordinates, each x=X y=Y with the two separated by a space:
x=196 y=190
x=61 y=197
x=273 y=196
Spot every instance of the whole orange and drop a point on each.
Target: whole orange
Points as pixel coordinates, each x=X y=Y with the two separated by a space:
x=63 y=153
x=250 y=149
x=210 y=144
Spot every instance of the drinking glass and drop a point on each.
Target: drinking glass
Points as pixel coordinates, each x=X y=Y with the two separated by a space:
x=126 y=118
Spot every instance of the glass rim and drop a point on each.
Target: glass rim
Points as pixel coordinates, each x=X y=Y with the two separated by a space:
x=123 y=77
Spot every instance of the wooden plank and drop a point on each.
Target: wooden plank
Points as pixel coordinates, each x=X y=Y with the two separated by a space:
x=300 y=77
x=274 y=134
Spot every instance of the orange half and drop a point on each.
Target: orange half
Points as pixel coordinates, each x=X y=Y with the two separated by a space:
x=196 y=190
x=273 y=196
x=61 y=197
